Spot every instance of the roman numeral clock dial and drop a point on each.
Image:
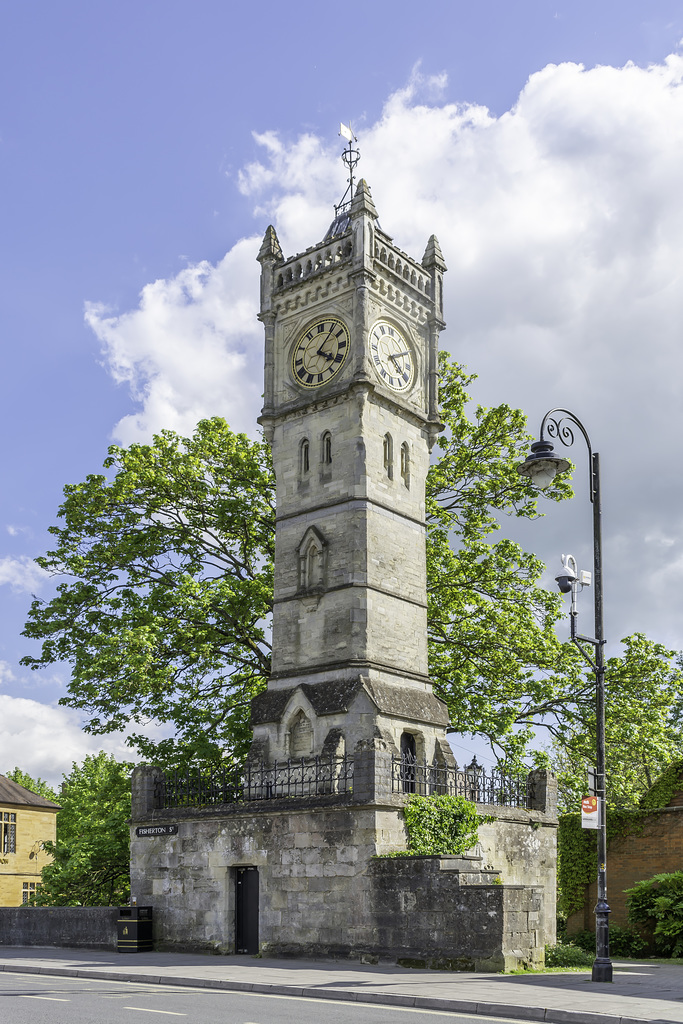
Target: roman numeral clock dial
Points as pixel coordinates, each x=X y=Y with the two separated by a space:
x=392 y=356
x=320 y=352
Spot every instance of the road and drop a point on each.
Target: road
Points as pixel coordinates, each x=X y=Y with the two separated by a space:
x=25 y=999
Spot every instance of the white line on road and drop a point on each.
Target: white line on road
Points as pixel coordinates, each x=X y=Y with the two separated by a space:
x=146 y=1009
x=53 y=999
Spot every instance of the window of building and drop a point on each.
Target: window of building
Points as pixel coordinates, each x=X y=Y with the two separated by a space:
x=389 y=456
x=304 y=457
x=29 y=890
x=327 y=448
x=9 y=832
x=408 y=762
x=405 y=463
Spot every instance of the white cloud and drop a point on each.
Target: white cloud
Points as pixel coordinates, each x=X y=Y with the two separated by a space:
x=562 y=227
x=6 y=673
x=16 y=531
x=44 y=740
x=22 y=573
x=191 y=349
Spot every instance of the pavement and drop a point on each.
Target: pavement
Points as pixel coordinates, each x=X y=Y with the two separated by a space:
x=641 y=993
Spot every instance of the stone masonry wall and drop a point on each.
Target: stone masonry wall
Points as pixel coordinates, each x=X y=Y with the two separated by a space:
x=322 y=893
x=68 y=927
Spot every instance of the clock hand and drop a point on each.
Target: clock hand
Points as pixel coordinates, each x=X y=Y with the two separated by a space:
x=321 y=351
x=396 y=355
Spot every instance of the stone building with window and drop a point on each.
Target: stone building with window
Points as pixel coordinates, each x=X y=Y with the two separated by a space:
x=27 y=821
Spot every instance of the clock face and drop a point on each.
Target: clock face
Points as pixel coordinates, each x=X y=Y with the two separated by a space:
x=392 y=356
x=320 y=352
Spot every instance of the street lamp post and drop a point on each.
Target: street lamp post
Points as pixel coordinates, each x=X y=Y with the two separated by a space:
x=541 y=466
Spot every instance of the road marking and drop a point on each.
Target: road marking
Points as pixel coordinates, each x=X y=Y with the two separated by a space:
x=52 y=999
x=145 y=1009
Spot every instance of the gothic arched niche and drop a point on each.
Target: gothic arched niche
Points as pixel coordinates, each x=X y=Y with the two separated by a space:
x=312 y=562
x=300 y=736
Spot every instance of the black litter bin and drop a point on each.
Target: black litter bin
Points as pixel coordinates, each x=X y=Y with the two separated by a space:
x=135 y=930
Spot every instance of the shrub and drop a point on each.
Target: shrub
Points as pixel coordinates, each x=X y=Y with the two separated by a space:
x=566 y=954
x=584 y=940
x=627 y=942
x=441 y=824
x=657 y=903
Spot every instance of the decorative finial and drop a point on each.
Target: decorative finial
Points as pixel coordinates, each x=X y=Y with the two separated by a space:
x=350 y=156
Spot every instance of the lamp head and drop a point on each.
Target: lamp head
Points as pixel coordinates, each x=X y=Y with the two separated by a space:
x=542 y=465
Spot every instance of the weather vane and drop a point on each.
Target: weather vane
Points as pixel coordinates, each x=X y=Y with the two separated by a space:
x=350 y=156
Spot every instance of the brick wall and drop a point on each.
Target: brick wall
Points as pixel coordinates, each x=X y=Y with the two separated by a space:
x=659 y=848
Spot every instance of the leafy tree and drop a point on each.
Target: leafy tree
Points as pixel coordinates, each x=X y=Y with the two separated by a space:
x=91 y=856
x=34 y=785
x=164 y=611
x=643 y=690
x=494 y=654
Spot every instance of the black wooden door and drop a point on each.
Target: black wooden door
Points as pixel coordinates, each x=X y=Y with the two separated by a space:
x=246 y=910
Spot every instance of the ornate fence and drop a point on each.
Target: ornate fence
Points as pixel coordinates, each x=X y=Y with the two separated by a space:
x=408 y=775
x=314 y=776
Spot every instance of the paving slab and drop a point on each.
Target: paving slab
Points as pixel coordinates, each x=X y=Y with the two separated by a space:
x=642 y=993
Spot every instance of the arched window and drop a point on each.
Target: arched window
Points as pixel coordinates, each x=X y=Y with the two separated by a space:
x=304 y=457
x=312 y=562
x=313 y=568
x=389 y=456
x=405 y=463
x=408 y=762
x=326 y=454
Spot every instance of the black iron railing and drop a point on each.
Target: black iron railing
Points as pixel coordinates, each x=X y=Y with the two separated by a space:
x=408 y=775
x=312 y=776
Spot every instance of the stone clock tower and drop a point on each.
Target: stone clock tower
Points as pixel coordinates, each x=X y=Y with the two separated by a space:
x=287 y=855
x=351 y=410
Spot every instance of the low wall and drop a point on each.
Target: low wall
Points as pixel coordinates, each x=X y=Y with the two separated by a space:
x=450 y=913
x=68 y=927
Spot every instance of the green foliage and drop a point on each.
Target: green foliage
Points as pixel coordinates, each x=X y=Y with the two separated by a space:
x=38 y=786
x=668 y=783
x=91 y=865
x=566 y=954
x=657 y=904
x=644 y=687
x=626 y=942
x=441 y=824
x=585 y=940
x=577 y=863
x=169 y=585
x=622 y=942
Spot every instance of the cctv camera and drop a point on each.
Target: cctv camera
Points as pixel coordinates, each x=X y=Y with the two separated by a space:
x=564 y=582
x=569 y=575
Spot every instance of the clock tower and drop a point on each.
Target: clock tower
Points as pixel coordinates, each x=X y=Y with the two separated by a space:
x=351 y=411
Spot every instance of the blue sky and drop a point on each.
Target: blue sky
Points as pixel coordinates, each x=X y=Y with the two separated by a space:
x=153 y=142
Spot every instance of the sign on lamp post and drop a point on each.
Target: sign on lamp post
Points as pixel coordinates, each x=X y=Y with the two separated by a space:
x=590 y=812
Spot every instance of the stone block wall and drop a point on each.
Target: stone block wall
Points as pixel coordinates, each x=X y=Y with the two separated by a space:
x=322 y=890
x=445 y=912
x=67 y=927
